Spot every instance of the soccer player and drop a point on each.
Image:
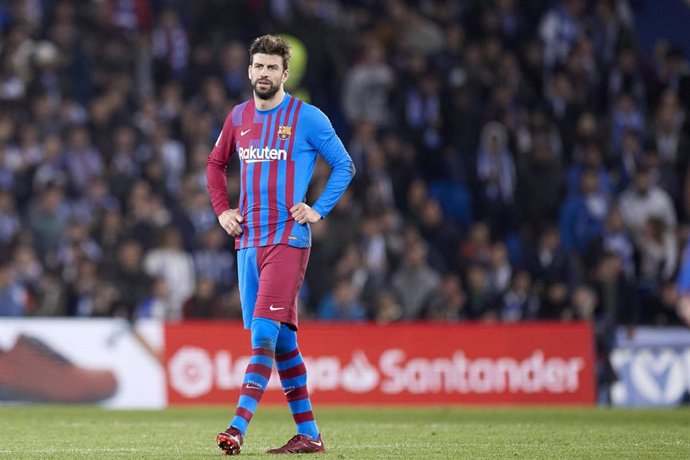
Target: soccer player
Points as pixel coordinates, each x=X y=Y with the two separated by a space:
x=277 y=138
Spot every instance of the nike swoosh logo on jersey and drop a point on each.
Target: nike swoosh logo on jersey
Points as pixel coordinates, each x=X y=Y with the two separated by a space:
x=317 y=443
x=244 y=131
x=272 y=308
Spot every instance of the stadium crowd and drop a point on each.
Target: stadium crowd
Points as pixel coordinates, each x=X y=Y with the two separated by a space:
x=516 y=160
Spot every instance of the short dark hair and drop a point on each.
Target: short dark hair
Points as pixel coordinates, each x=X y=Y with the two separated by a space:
x=270 y=44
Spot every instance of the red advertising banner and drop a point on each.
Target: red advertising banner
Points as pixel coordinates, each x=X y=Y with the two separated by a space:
x=533 y=363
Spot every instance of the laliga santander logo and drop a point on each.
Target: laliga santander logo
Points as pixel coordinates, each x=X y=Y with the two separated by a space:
x=359 y=376
x=194 y=372
x=191 y=372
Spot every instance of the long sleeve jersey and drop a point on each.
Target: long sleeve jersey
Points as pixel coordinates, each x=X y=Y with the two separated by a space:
x=277 y=151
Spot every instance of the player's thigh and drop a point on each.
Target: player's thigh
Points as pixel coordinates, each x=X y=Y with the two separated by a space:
x=281 y=274
x=248 y=282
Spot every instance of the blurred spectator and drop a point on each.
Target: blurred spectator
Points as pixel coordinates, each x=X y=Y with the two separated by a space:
x=626 y=116
x=582 y=215
x=75 y=247
x=351 y=266
x=554 y=304
x=584 y=302
x=169 y=262
x=170 y=47
x=615 y=239
x=496 y=173
x=626 y=76
x=480 y=302
x=540 y=180
x=518 y=302
x=619 y=302
x=500 y=271
x=683 y=278
x=374 y=253
x=234 y=68
x=83 y=290
x=414 y=282
x=643 y=200
x=629 y=158
x=449 y=302
x=204 y=303
x=419 y=34
x=53 y=168
x=423 y=112
x=658 y=259
x=9 y=219
x=213 y=261
x=27 y=268
x=158 y=305
x=84 y=163
x=170 y=154
x=13 y=296
x=592 y=159
x=47 y=220
x=367 y=87
x=476 y=248
x=560 y=28
x=342 y=304
x=664 y=310
x=672 y=144
x=443 y=236
x=386 y=307
x=609 y=29
x=130 y=273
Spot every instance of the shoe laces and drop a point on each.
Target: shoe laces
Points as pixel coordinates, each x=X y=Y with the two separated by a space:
x=297 y=438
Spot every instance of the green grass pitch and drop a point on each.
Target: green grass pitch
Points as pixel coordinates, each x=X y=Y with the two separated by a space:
x=350 y=432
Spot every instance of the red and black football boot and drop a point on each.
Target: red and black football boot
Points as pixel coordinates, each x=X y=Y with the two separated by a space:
x=300 y=444
x=230 y=441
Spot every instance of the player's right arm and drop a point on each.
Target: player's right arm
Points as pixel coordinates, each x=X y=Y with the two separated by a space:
x=216 y=178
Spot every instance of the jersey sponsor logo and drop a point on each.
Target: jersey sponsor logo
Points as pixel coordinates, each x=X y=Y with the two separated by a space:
x=284 y=132
x=258 y=155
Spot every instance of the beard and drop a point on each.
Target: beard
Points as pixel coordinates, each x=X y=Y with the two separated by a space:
x=266 y=93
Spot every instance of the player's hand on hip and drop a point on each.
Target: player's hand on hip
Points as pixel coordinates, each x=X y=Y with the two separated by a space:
x=303 y=214
x=231 y=221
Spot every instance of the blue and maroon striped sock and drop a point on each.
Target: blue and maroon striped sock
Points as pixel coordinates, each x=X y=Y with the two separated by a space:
x=264 y=337
x=293 y=378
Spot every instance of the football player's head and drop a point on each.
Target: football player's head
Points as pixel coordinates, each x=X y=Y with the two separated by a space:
x=269 y=57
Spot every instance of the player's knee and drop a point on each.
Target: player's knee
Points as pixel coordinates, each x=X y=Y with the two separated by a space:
x=287 y=340
x=264 y=333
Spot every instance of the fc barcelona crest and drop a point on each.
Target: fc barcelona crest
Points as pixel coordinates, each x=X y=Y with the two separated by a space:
x=284 y=132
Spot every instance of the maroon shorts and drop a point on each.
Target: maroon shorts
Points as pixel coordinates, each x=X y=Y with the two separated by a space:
x=270 y=278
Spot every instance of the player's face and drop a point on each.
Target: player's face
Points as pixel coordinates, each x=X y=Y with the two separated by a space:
x=266 y=73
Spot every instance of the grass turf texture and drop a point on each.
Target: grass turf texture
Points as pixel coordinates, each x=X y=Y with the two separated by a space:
x=350 y=433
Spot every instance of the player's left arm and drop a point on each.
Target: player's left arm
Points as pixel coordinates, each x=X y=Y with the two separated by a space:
x=323 y=138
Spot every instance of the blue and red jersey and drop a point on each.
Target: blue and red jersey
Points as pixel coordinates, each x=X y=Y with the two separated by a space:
x=277 y=151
